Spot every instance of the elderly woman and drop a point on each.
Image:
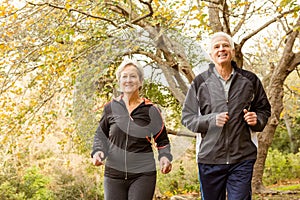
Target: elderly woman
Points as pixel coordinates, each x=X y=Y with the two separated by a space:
x=123 y=140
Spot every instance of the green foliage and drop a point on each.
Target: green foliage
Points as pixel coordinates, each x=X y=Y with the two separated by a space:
x=182 y=180
x=78 y=186
x=288 y=187
x=281 y=139
x=280 y=166
x=9 y=192
x=283 y=142
x=35 y=185
x=61 y=183
x=162 y=96
x=32 y=186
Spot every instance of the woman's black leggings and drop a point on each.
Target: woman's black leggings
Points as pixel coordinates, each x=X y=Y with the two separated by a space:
x=140 y=188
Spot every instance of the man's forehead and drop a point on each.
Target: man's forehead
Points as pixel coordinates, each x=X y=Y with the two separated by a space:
x=218 y=40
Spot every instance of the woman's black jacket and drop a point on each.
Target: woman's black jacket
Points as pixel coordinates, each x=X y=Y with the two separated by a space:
x=126 y=140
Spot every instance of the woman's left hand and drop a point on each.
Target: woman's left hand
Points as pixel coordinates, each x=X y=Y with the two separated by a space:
x=165 y=165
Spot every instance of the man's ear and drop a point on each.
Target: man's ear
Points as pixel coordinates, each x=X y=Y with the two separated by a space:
x=233 y=53
x=210 y=56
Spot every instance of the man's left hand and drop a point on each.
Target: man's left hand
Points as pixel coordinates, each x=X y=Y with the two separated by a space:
x=250 y=117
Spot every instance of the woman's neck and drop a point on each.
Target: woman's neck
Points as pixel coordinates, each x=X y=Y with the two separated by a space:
x=131 y=98
x=132 y=101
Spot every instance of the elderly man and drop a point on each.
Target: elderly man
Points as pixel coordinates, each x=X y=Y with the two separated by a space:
x=226 y=104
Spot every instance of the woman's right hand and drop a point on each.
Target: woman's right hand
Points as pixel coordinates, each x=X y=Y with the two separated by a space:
x=97 y=158
x=165 y=165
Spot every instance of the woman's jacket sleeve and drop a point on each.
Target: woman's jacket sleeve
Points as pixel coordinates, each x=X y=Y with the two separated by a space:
x=163 y=145
x=161 y=138
x=101 y=136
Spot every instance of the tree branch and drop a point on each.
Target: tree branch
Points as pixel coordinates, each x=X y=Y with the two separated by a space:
x=242 y=21
x=146 y=15
x=265 y=25
x=226 y=17
x=75 y=10
x=296 y=61
x=179 y=133
x=126 y=13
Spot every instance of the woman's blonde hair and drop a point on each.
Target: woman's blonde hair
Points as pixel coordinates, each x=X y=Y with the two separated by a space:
x=130 y=61
x=135 y=63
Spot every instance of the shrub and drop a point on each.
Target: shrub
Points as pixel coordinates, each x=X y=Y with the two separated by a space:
x=9 y=192
x=74 y=187
x=282 y=140
x=34 y=185
x=183 y=179
x=280 y=166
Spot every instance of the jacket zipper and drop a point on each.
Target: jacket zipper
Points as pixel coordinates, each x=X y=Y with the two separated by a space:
x=126 y=145
x=227 y=135
x=227 y=146
x=226 y=127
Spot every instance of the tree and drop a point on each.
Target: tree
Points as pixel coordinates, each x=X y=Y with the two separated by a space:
x=52 y=52
x=288 y=62
x=57 y=47
x=229 y=17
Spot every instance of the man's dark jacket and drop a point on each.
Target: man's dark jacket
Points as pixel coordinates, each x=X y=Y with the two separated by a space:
x=205 y=99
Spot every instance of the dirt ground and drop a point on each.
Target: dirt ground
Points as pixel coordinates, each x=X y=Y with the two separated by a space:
x=271 y=193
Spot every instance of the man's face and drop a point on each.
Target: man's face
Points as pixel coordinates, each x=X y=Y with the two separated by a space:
x=221 y=52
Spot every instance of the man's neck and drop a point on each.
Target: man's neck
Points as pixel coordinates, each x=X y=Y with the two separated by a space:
x=224 y=70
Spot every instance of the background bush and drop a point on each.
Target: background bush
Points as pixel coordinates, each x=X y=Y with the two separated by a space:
x=61 y=176
x=281 y=166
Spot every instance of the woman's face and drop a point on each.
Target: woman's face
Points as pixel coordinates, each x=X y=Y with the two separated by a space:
x=129 y=79
x=221 y=51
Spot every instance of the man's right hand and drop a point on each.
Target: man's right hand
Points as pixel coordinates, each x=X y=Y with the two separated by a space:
x=97 y=158
x=222 y=119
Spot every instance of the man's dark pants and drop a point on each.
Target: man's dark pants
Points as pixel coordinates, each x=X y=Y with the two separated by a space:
x=235 y=178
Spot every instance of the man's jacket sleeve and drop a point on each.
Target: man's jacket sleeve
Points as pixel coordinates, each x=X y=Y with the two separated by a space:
x=191 y=116
x=261 y=106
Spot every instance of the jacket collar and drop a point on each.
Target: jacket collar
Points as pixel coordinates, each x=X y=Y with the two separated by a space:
x=146 y=101
x=233 y=64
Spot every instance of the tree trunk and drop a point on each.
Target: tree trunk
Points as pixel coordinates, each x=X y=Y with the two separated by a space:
x=214 y=18
x=288 y=62
x=264 y=141
x=290 y=132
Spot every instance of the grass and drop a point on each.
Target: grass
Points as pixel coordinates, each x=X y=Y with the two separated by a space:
x=287 y=188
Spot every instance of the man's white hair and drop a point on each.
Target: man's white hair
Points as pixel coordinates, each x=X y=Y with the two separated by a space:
x=220 y=34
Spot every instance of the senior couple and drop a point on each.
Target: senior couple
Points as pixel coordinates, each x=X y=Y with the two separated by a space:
x=225 y=105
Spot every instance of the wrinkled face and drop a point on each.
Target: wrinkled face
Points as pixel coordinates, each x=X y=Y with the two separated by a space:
x=129 y=79
x=221 y=51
